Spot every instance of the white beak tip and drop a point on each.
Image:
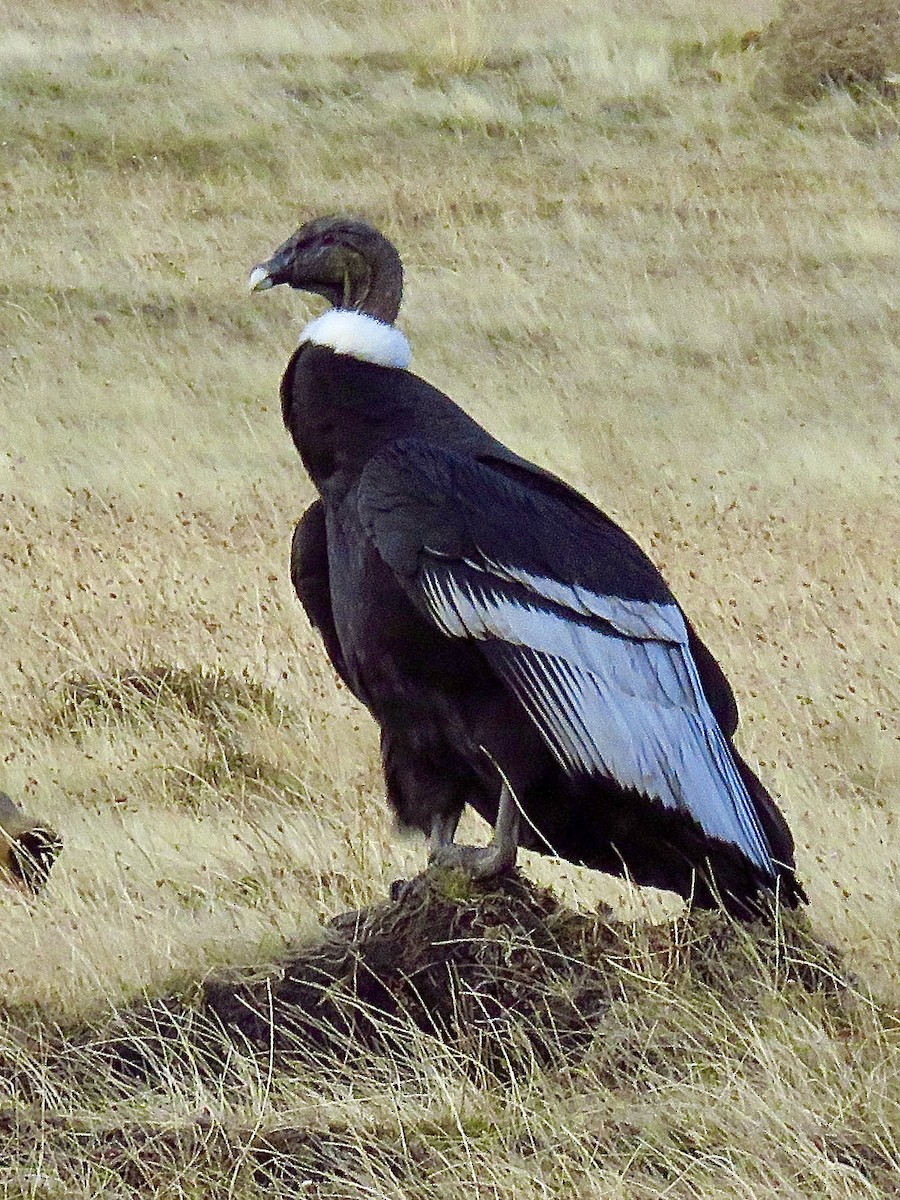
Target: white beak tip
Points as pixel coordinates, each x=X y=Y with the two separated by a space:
x=260 y=280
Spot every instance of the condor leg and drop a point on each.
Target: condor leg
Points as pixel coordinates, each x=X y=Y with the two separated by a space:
x=481 y=862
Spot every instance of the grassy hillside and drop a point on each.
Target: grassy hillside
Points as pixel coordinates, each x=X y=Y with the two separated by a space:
x=634 y=259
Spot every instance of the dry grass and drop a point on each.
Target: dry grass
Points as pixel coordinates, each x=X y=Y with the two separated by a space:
x=814 y=45
x=629 y=268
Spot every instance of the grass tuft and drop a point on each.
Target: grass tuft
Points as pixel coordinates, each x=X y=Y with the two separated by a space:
x=815 y=46
x=212 y=697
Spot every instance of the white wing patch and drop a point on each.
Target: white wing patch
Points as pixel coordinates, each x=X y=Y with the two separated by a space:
x=612 y=687
x=359 y=336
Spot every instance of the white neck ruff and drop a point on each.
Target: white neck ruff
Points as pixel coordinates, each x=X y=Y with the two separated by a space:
x=359 y=336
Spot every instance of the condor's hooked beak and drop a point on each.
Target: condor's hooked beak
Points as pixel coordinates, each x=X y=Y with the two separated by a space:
x=260 y=279
x=275 y=270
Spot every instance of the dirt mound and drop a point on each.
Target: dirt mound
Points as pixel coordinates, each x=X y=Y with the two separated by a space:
x=497 y=972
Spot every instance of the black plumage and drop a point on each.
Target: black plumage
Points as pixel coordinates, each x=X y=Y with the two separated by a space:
x=28 y=848
x=518 y=650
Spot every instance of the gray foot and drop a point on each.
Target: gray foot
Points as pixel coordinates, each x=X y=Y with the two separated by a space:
x=479 y=862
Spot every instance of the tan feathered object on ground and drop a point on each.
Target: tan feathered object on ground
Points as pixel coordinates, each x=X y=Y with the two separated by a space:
x=28 y=849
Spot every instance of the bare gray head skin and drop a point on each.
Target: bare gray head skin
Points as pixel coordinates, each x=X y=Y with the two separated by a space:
x=347 y=261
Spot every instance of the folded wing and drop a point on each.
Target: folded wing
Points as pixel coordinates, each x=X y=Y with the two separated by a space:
x=574 y=619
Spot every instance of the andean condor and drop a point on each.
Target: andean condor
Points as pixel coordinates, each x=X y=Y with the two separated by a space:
x=518 y=650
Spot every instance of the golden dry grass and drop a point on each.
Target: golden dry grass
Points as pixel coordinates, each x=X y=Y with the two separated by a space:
x=817 y=44
x=630 y=269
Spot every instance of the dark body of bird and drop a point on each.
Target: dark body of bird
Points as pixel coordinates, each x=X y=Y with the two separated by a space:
x=28 y=848
x=518 y=650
